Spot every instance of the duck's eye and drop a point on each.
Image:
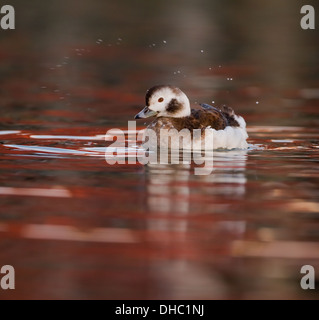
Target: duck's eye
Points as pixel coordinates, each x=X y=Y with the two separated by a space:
x=160 y=99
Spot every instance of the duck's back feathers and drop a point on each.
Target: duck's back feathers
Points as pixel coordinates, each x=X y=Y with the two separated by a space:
x=203 y=118
x=199 y=119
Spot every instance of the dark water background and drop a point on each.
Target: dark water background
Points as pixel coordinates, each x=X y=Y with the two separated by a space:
x=75 y=227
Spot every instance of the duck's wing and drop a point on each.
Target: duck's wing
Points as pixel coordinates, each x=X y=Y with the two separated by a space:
x=215 y=111
x=227 y=113
x=206 y=117
x=209 y=117
x=208 y=107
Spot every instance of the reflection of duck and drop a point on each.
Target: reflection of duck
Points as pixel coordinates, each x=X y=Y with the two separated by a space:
x=172 y=109
x=193 y=222
x=173 y=189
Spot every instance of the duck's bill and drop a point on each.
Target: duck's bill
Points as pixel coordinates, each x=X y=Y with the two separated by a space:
x=145 y=113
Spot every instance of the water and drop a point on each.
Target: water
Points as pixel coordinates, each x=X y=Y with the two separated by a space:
x=74 y=226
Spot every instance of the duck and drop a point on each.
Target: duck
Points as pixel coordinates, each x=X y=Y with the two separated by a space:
x=219 y=128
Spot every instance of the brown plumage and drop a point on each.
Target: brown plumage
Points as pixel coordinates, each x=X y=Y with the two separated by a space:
x=199 y=119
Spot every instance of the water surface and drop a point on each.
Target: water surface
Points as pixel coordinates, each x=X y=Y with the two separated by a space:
x=75 y=227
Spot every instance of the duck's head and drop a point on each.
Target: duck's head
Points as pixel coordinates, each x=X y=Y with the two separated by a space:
x=165 y=101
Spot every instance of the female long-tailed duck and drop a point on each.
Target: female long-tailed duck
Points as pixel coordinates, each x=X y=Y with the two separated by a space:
x=171 y=107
